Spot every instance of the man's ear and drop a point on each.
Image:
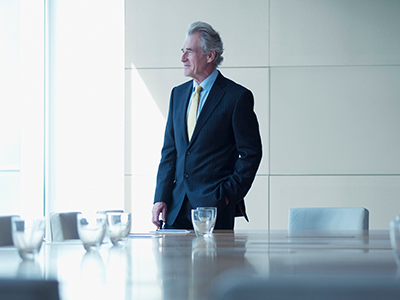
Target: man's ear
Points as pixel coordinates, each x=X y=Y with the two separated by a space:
x=211 y=56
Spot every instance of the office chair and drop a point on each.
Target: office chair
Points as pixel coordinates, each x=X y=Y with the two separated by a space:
x=29 y=289
x=63 y=226
x=5 y=231
x=328 y=218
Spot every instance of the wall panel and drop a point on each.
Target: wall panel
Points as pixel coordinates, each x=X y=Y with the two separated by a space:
x=257 y=207
x=379 y=194
x=335 y=120
x=155 y=30
x=340 y=32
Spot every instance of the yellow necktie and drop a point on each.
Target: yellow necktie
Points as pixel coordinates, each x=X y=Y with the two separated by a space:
x=192 y=115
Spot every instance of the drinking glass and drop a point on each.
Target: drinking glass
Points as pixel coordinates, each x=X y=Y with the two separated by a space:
x=28 y=236
x=119 y=226
x=214 y=219
x=202 y=221
x=91 y=230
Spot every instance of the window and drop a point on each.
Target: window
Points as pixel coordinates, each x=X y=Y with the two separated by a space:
x=22 y=107
x=61 y=106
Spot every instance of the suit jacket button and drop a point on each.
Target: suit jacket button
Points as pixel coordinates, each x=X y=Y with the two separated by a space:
x=186 y=175
x=188 y=153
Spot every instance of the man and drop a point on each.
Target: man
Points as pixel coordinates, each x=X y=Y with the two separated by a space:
x=214 y=165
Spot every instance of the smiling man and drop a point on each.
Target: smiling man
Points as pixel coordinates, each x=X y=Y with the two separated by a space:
x=212 y=146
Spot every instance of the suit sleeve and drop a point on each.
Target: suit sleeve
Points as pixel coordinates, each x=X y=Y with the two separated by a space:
x=166 y=169
x=248 y=143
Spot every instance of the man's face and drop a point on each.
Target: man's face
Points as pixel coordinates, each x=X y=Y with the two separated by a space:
x=195 y=63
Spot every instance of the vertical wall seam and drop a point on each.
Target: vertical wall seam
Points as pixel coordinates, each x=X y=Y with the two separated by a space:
x=269 y=116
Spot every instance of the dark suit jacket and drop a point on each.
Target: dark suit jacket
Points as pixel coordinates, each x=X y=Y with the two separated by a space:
x=223 y=156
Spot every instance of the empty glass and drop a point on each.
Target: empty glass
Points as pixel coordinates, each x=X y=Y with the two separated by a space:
x=214 y=219
x=119 y=226
x=91 y=230
x=28 y=236
x=202 y=220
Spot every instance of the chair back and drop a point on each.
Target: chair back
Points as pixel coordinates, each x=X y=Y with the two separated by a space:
x=63 y=226
x=5 y=231
x=328 y=218
x=29 y=289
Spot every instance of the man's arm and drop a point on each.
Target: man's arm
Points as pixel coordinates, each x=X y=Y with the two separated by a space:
x=166 y=172
x=248 y=144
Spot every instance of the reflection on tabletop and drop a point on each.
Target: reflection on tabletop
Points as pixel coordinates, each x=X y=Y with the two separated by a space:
x=184 y=266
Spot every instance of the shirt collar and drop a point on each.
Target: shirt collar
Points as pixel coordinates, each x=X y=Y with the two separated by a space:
x=207 y=83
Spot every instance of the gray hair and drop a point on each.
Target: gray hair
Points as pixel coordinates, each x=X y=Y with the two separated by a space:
x=210 y=40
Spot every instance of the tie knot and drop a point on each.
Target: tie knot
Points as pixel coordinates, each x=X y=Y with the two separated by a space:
x=198 y=89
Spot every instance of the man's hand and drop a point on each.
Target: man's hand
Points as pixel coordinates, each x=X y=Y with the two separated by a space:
x=159 y=208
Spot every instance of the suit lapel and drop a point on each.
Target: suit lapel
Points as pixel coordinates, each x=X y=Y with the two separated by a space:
x=184 y=94
x=214 y=98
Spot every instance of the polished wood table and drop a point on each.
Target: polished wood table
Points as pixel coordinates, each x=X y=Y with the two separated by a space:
x=182 y=266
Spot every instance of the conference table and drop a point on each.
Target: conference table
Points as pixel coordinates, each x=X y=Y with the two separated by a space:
x=179 y=265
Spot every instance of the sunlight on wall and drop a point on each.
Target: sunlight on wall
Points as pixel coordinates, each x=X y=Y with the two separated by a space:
x=147 y=127
x=146 y=134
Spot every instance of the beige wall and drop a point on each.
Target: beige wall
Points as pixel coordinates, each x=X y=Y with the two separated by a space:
x=325 y=78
